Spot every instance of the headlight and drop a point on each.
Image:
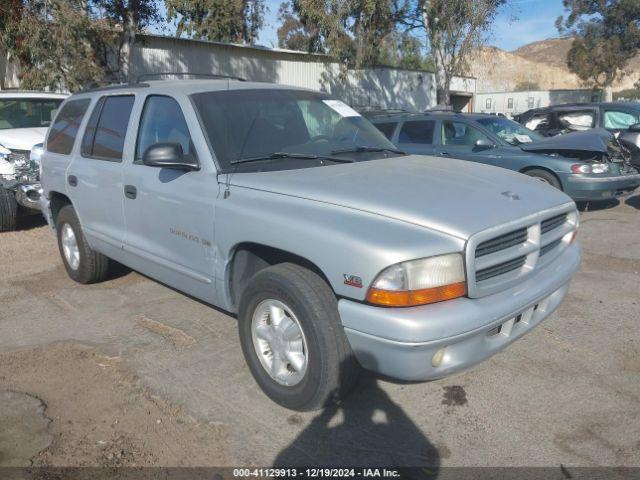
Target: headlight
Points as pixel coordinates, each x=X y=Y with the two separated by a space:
x=419 y=282
x=4 y=151
x=36 y=153
x=590 y=168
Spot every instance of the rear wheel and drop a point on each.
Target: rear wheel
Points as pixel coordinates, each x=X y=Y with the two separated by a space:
x=83 y=264
x=545 y=177
x=293 y=340
x=8 y=210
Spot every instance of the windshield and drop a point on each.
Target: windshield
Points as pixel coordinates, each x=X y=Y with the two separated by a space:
x=511 y=132
x=27 y=112
x=278 y=129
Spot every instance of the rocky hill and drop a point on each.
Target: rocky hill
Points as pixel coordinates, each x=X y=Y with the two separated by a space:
x=542 y=62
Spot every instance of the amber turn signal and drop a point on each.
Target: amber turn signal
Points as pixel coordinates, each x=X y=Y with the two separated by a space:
x=412 y=298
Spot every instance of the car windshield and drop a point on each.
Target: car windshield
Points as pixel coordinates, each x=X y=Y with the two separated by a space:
x=27 y=112
x=280 y=129
x=511 y=132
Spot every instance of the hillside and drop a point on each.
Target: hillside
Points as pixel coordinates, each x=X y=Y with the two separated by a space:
x=543 y=62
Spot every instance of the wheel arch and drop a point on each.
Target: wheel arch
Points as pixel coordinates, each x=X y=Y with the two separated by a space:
x=248 y=258
x=57 y=200
x=546 y=169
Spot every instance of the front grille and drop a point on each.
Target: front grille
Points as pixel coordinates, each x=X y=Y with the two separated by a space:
x=500 y=269
x=552 y=223
x=497 y=259
x=502 y=242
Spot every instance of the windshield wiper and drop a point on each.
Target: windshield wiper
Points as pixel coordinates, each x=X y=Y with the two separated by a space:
x=297 y=156
x=367 y=149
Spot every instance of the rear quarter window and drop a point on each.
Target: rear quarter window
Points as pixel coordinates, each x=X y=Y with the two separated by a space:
x=418 y=132
x=64 y=130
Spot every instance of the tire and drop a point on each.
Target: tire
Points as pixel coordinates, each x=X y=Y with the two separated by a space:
x=544 y=176
x=91 y=266
x=8 y=210
x=331 y=368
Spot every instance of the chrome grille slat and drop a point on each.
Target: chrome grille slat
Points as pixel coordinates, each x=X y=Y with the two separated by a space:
x=502 y=242
x=547 y=248
x=553 y=222
x=555 y=234
x=502 y=256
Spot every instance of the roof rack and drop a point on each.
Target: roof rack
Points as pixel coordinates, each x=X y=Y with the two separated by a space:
x=188 y=74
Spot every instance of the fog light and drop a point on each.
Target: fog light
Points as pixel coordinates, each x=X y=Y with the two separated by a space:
x=436 y=361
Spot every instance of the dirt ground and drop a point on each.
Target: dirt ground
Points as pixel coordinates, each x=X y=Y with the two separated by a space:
x=131 y=373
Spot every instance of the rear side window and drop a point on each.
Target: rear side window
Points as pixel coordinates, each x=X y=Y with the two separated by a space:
x=64 y=130
x=619 y=120
x=163 y=122
x=386 y=128
x=418 y=132
x=578 y=119
x=107 y=128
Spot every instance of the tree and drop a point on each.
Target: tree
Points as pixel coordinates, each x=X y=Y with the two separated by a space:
x=351 y=31
x=606 y=36
x=526 y=85
x=405 y=51
x=232 y=21
x=53 y=48
x=293 y=34
x=454 y=28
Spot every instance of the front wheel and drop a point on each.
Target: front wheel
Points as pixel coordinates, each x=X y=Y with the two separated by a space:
x=545 y=177
x=83 y=264
x=293 y=340
x=8 y=210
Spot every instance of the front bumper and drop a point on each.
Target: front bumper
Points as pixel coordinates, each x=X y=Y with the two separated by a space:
x=402 y=342
x=29 y=195
x=586 y=188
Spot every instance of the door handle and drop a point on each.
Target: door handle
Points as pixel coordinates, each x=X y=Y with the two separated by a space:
x=73 y=180
x=130 y=192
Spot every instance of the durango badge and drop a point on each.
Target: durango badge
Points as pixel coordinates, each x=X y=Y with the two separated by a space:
x=352 y=280
x=511 y=195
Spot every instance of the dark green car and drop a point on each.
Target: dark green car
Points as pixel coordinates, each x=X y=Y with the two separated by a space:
x=583 y=164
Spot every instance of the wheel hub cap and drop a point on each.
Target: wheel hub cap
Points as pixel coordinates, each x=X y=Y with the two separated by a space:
x=70 y=247
x=279 y=342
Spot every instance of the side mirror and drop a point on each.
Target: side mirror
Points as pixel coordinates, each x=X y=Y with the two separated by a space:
x=483 y=144
x=168 y=155
x=635 y=128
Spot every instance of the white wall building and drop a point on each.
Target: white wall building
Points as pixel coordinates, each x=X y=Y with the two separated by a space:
x=380 y=87
x=512 y=103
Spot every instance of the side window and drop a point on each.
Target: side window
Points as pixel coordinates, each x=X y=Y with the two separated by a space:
x=458 y=133
x=539 y=121
x=418 y=132
x=578 y=119
x=107 y=128
x=387 y=129
x=65 y=128
x=510 y=103
x=619 y=120
x=162 y=121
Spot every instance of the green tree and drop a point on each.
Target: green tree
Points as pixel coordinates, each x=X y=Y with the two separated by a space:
x=53 y=48
x=293 y=34
x=526 y=85
x=454 y=28
x=352 y=31
x=232 y=21
x=606 y=36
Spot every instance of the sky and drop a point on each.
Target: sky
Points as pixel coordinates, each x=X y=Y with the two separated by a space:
x=521 y=22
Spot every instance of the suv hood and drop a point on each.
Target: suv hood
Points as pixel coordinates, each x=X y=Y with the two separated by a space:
x=22 y=138
x=453 y=196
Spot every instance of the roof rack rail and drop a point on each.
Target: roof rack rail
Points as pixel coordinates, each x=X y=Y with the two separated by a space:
x=149 y=76
x=446 y=110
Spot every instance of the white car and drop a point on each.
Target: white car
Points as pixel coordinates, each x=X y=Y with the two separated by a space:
x=24 y=120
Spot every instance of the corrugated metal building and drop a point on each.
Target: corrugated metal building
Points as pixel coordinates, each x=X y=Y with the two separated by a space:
x=512 y=103
x=380 y=87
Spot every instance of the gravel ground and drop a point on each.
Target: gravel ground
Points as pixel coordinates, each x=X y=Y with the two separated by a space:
x=129 y=372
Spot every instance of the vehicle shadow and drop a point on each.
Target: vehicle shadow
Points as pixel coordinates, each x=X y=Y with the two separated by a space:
x=29 y=222
x=367 y=429
x=633 y=202
x=599 y=205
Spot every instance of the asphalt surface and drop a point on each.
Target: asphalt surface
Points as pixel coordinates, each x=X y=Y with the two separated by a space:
x=566 y=394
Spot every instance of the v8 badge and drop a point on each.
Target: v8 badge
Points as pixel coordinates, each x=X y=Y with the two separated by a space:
x=352 y=280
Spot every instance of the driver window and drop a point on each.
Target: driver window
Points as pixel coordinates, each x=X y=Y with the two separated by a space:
x=618 y=120
x=162 y=121
x=458 y=133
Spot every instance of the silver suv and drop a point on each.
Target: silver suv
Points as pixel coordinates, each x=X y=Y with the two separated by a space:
x=285 y=206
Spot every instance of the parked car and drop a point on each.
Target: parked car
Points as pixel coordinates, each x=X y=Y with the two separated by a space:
x=582 y=164
x=24 y=119
x=287 y=207
x=620 y=118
